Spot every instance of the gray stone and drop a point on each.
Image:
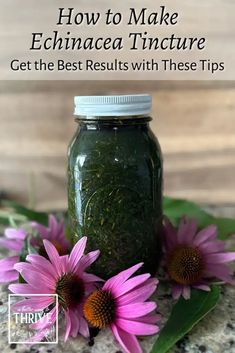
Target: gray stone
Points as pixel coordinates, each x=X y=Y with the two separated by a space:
x=214 y=334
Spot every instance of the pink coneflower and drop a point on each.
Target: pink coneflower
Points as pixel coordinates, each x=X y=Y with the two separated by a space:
x=191 y=257
x=55 y=232
x=121 y=305
x=14 y=240
x=62 y=275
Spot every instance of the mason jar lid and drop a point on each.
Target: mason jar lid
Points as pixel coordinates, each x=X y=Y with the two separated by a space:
x=123 y=105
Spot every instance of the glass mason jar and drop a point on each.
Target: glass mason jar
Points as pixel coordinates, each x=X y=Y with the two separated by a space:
x=115 y=182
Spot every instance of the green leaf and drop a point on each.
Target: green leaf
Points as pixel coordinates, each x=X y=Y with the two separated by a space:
x=184 y=316
x=174 y=209
x=226 y=227
x=20 y=210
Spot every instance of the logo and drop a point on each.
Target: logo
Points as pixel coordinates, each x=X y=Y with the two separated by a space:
x=27 y=324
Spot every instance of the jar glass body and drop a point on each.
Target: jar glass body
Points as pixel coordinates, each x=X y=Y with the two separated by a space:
x=115 y=192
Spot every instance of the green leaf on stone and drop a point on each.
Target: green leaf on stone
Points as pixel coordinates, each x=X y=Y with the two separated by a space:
x=184 y=316
x=174 y=209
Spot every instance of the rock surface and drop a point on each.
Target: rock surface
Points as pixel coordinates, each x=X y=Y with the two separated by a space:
x=214 y=334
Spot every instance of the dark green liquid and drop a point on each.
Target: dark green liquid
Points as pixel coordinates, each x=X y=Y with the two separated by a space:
x=115 y=193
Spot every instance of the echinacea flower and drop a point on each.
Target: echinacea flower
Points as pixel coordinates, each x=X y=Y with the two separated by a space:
x=55 y=232
x=192 y=258
x=61 y=275
x=14 y=240
x=121 y=304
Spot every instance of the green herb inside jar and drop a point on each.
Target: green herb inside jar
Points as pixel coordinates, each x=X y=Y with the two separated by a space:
x=115 y=191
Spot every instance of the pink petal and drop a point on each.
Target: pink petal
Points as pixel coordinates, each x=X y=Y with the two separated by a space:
x=53 y=227
x=42 y=230
x=187 y=230
x=220 y=271
x=39 y=336
x=139 y=294
x=33 y=304
x=12 y=233
x=76 y=253
x=89 y=277
x=8 y=263
x=64 y=243
x=9 y=276
x=132 y=311
x=127 y=341
x=186 y=292
x=90 y=287
x=131 y=284
x=42 y=283
x=220 y=258
x=83 y=328
x=67 y=325
x=53 y=255
x=60 y=229
x=20 y=266
x=212 y=247
x=74 y=323
x=24 y=266
x=205 y=234
x=202 y=287
x=64 y=260
x=115 y=282
x=43 y=322
x=169 y=234
x=137 y=328
x=15 y=245
x=88 y=259
x=42 y=263
x=23 y=288
x=149 y=319
x=60 y=235
x=177 y=290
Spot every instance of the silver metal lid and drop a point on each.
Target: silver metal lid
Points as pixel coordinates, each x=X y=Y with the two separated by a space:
x=123 y=105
